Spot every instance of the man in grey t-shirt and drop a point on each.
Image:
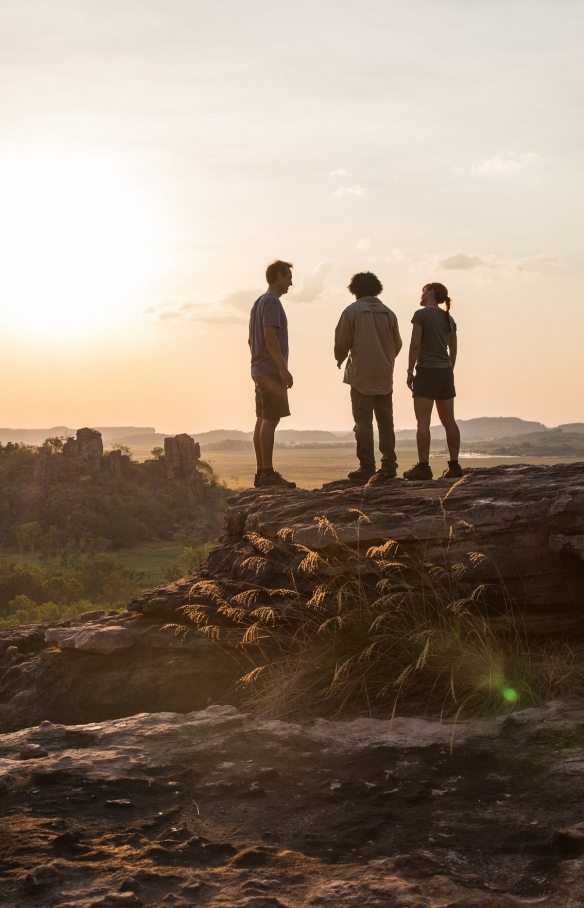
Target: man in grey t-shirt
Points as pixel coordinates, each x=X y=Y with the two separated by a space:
x=268 y=342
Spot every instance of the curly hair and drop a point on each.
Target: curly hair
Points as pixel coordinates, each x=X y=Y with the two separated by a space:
x=365 y=283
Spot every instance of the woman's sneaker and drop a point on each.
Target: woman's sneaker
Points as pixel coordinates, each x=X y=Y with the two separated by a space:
x=419 y=473
x=274 y=479
x=454 y=470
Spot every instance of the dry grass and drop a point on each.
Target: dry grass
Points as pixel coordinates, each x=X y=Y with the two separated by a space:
x=381 y=629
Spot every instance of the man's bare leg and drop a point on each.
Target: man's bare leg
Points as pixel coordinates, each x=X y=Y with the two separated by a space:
x=256 y=443
x=446 y=413
x=423 y=410
x=266 y=442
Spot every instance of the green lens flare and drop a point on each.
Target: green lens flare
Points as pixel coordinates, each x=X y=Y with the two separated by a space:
x=510 y=695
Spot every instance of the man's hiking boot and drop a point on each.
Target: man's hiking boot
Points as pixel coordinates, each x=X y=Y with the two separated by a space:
x=360 y=475
x=274 y=479
x=419 y=473
x=382 y=476
x=454 y=470
x=256 y=480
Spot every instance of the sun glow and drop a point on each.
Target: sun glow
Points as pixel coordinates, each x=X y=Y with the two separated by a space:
x=75 y=239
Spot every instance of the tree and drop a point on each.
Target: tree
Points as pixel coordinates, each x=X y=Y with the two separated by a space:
x=27 y=535
x=157 y=452
x=124 y=449
x=48 y=545
x=53 y=444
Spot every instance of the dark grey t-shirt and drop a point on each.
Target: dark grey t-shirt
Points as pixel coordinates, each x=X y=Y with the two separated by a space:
x=267 y=312
x=437 y=326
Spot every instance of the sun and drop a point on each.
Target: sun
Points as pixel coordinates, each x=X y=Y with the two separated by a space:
x=75 y=239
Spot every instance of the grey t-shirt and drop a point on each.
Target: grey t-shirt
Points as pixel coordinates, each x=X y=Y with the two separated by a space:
x=267 y=312
x=437 y=326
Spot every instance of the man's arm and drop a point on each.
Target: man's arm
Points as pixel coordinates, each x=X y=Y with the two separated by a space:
x=415 y=344
x=452 y=347
x=343 y=338
x=271 y=339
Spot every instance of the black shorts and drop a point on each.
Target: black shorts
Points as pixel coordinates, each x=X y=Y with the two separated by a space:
x=436 y=384
x=271 y=396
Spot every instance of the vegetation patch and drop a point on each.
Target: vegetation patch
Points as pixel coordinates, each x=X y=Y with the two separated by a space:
x=380 y=629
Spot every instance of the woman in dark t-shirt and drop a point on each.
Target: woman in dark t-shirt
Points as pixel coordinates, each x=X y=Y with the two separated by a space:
x=433 y=353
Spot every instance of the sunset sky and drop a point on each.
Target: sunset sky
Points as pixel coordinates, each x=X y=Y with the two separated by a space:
x=156 y=154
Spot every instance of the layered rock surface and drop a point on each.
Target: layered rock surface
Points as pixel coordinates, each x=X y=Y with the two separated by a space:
x=107 y=666
x=519 y=529
x=221 y=809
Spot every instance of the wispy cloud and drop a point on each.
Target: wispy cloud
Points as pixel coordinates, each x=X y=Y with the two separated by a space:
x=364 y=245
x=509 y=164
x=312 y=284
x=350 y=190
x=231 y=308
x=461 y=261
x=397 y=255
x=340 y=173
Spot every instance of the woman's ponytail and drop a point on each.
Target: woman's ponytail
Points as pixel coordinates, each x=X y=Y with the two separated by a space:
x=441 y=296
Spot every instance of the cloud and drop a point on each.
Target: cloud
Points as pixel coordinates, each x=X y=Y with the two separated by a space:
x=349 y=190
x=510 y=164
x=397 y=255
x=230 y=308
x=463 y=262
x=312 y=284
x=363 y=245
x=460 y=261
x=340 y=173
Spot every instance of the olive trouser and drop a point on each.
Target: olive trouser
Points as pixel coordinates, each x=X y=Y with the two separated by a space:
x=364 y=406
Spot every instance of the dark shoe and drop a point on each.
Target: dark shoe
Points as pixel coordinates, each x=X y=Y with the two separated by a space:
x=454 y=471
x=274 y=479
x=360 y=475
x=382 y=476
x=419 y=473
x=256 y=480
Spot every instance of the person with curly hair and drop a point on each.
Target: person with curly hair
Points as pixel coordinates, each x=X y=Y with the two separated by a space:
x=367 y=336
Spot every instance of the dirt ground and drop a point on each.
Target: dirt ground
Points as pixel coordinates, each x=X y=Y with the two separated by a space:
x=153 y=810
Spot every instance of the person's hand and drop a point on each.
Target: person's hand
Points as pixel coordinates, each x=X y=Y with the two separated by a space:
x=410 y=380
x=286 y=378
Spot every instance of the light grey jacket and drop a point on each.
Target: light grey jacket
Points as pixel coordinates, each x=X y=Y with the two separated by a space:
x=368 y=334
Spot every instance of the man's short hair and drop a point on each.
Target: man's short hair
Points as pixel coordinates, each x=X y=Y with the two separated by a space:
x=275 y=268
x=365 y=284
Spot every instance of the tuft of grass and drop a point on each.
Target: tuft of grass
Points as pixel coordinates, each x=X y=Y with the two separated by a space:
x=376 y=628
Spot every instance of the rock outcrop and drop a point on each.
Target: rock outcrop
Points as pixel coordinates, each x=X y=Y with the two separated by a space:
x=517 y=529
x=107 y=666
x=219 y=808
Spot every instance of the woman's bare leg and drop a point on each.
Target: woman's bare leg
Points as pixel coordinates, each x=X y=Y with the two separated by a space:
x=423 y=410
x=446 y=413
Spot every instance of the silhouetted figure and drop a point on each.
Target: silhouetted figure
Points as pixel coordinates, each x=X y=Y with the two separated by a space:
x=368 y=334
x=268 y=342
x=433 y=353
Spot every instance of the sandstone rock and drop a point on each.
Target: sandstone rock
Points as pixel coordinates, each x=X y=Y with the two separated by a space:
x=473 y=814
x=111 y=639
x=181 y=454
x=159 y=670
x=518 y=529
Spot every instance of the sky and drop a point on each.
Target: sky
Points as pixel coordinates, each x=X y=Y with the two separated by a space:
x=155 y=155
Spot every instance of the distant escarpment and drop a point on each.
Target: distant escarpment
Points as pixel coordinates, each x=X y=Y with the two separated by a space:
x=517 y=531
x=74 y=486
